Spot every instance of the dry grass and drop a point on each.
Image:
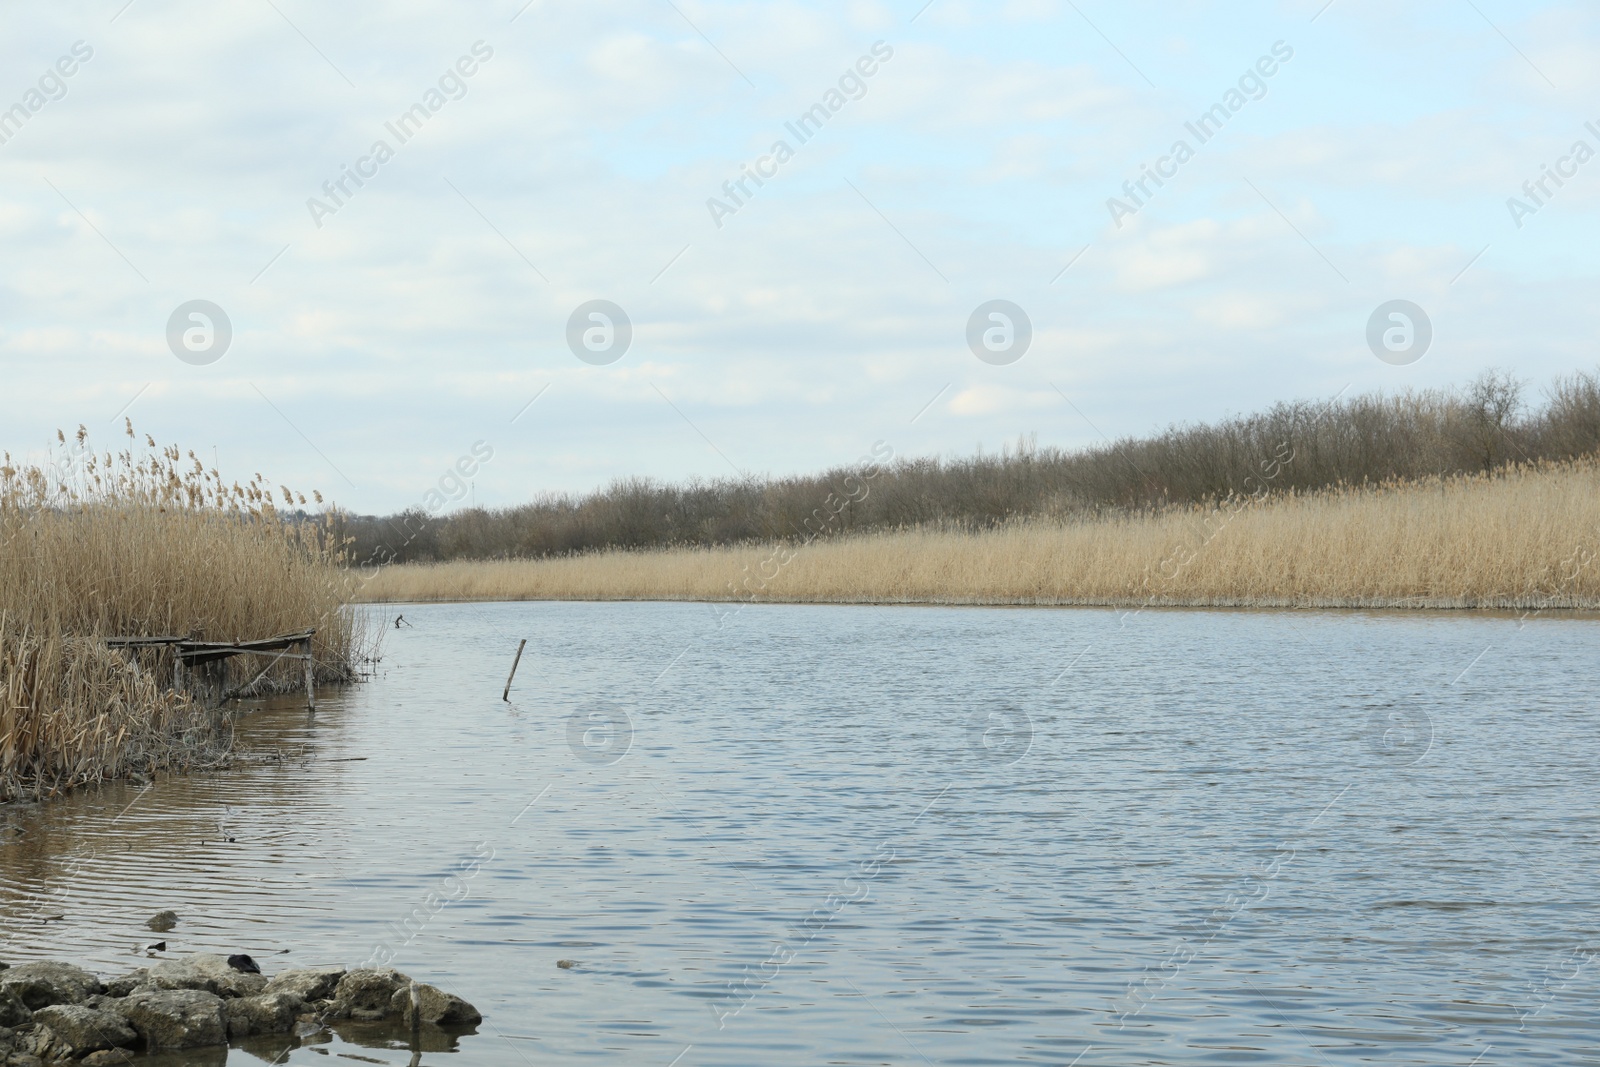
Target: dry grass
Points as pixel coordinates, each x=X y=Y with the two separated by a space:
x=94 y=546
x=1520 y=538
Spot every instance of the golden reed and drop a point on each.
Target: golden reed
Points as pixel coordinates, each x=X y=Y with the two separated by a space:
x=1523 y=537
x=95 y=546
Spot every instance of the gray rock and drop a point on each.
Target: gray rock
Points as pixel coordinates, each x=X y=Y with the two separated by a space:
x=176 y=1018
x=13 y=1012
x=110 y=1057
x=311 y=983
x=23 y=1059
x=122 y=985
x=367 y=992
x=207 y=971
x=74 y=1031
x=433 y=1005
x=268 y=1013
x=325 y=1012
x=42 y=984
x=162 y=921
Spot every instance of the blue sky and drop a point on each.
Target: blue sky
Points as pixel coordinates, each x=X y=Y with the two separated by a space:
x=371 y=352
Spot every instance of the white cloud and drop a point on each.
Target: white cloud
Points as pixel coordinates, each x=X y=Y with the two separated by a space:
x=994 y=399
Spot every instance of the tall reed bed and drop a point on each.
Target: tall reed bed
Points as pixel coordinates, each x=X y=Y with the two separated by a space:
x=145 y=542
x=1522 y=537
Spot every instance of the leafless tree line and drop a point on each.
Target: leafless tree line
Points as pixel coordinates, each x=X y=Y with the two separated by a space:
x=1487 y=425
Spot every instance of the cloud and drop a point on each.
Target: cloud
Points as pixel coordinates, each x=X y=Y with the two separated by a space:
x=994 y=399
x=432 y=306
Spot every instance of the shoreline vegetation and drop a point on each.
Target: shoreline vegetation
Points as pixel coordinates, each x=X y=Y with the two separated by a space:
x=148 y=543
x=1521 y=537
x=1300 y=447
x=1466 y=498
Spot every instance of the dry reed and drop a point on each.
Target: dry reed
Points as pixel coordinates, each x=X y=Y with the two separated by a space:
x=1522 y=537
x=143 y=544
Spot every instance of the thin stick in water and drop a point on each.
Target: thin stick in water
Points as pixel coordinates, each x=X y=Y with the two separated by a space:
x=506 y=696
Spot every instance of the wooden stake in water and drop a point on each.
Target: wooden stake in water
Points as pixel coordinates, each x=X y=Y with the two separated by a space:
x=311 y=678
x=506 y=696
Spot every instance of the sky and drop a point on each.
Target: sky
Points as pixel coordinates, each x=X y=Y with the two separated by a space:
x=520 y=160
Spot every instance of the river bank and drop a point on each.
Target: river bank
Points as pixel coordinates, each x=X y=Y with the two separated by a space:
x=1521 y=539
x=97 y=549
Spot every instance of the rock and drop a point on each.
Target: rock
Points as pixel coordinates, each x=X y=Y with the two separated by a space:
x=13 y=1012
x=176 y=1018
x=42 y=984
x=23 y=1059
x=311 y=983
x=242 y=963
x=331 y=1011
x=162 y=921
x=433 y=1005
x=366 y=993
x=566 y=965
x=128 y=983
x=74 y=1030
x=268 y=1013
x=207 y=971
x=107 y=1058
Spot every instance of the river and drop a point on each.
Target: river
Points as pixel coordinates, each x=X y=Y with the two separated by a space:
x=869 y=835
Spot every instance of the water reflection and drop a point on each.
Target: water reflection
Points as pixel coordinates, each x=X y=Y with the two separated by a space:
x=361 y=1042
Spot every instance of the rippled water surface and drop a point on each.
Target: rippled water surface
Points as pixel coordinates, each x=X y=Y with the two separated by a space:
x=856 y=835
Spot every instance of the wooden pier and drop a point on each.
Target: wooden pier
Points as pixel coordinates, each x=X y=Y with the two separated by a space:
x=206 y=661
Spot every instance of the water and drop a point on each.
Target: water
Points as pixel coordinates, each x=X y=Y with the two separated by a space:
x=1309 y=838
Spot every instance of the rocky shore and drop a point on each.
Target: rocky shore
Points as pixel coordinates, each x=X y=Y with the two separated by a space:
x=59 y=1013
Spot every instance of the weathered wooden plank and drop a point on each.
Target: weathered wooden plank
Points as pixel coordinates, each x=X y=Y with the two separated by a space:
x=211 y=655
x=265 y=644
x=193 y=654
